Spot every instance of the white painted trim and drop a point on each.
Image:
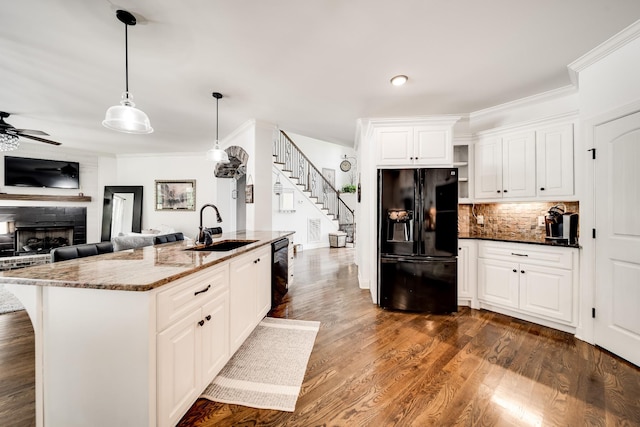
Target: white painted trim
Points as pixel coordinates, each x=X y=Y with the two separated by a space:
x=604 y=49
x=523 y=102
x=444 y=120
x=527 y=125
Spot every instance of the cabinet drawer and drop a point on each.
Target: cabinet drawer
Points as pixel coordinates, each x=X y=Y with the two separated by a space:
x=190 y=292
x=530 y=254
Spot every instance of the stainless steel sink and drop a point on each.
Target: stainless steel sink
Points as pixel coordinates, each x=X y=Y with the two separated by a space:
x=222 y=246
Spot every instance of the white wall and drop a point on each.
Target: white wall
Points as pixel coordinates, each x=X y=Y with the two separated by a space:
x=144 y=169
x=609 y=88
x=328 y=155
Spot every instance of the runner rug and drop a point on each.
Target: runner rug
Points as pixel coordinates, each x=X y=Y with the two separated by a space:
x=267 y=370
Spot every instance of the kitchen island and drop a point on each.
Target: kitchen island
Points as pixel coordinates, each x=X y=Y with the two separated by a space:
x=131 y=338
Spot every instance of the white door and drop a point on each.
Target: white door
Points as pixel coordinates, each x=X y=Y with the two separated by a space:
x=215 y=336
x=432 y=146
x=617 y=201
x=394 y=145
x=498 y=282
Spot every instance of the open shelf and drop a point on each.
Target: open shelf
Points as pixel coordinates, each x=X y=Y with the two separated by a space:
x=44 y=197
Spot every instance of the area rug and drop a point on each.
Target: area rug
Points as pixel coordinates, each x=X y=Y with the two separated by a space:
x=8 y=302
x=267 y=370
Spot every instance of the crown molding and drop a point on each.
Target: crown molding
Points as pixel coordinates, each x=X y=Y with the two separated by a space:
x=523 y=102
x=531 y=124
x=601 y=51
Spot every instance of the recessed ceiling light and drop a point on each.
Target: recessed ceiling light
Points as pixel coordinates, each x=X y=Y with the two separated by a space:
x=399 y=80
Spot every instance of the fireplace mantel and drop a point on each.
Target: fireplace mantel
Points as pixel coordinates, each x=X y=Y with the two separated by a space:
x=45 y=197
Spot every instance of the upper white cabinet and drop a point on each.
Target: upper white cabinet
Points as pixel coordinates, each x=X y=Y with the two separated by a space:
x=554 y=161
x=505 y=166
x=536 y=162
x=418 y=143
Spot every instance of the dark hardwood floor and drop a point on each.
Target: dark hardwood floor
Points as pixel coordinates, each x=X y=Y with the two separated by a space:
x=372 y=367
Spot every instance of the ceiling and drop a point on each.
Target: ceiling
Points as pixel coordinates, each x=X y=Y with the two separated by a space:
x=313 y=67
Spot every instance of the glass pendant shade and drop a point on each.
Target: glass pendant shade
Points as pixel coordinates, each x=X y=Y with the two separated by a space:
x=217 y=154
x=126 y=118
x=8 y=142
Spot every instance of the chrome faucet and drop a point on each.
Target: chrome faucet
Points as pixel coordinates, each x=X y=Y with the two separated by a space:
x=204 y=236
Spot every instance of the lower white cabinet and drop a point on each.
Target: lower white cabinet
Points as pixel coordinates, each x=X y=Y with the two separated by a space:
x=250 y=294
x=467 y=273
x=532 y=280
x=193 y=348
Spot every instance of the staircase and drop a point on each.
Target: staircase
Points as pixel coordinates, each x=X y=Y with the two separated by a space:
x=288 y=158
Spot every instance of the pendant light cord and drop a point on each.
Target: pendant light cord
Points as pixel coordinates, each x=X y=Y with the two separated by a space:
x=126 y=59
x=217 y=99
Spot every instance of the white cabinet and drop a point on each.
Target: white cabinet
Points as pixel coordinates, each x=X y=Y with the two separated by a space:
x=554 y=160
x=193 y=339
x=250 y=294
x=505 y=166
x=467 y=273
x=537 y=162
x=531 y=280
x=415 y=144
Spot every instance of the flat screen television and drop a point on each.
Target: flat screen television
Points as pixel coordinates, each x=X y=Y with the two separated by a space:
x=26 y=172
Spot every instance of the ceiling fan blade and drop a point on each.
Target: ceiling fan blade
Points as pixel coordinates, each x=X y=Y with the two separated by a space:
x=48 y=141
x=29 y=132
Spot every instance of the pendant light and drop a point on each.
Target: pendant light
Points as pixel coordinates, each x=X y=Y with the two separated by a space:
x=217 y=154
x=125 y=117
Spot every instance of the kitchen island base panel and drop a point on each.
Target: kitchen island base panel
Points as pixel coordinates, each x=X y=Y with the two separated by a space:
x=91 y=350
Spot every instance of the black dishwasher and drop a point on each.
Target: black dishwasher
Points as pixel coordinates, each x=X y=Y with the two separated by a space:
x=279 y=270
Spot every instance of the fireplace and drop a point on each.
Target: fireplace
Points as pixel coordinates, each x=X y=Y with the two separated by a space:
x=42 y=238
x=37 y=230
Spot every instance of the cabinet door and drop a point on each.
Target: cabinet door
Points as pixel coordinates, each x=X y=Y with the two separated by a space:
x=498 y=282
x=179 y=368
x=554 y=155
x=394 y=145
x=518 y=165
x=488 y=168
x=242 y=300
x=215 y=336
x=464 y=291
x=547 y=292
x=432 y=146
x=262 y=275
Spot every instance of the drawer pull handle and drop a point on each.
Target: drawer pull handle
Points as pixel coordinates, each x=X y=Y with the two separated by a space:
x=513 y=253
x=202 y=291
x=208 y=317
x=201 y=322
x=515 y=271
x=522 y=271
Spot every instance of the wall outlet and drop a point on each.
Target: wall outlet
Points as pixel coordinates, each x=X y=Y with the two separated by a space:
x=480 y=219
x=541 y=221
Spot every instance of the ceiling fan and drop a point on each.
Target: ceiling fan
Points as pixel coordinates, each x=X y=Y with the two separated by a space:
x=9 y=135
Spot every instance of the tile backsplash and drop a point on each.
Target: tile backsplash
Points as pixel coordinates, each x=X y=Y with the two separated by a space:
x=507 y=220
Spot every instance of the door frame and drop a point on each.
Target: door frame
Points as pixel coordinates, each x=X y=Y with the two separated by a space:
x=585 y=190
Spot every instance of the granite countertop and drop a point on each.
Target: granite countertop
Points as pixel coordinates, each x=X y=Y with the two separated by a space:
x=517 y=239
x=140 y=269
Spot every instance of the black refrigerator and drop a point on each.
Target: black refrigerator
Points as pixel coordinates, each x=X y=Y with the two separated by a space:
x=418 y=239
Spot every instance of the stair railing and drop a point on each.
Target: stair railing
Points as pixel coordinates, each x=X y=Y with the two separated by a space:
x=287 y=153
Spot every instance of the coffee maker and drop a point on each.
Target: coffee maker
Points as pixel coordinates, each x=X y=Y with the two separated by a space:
x=561 y=226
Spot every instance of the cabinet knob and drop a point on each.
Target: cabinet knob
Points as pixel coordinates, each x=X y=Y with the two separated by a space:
x=515 y=271
x=498 y=191
x=256 y=261
x=541 y=188
x=208 y=317
x=504 y=191
x=522 y=271
x=201 y=322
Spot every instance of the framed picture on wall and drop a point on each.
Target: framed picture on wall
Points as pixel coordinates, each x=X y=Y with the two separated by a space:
x=176 y=195
x=249 y=193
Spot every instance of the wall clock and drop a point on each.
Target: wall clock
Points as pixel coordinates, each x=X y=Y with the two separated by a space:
x=345 y=165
